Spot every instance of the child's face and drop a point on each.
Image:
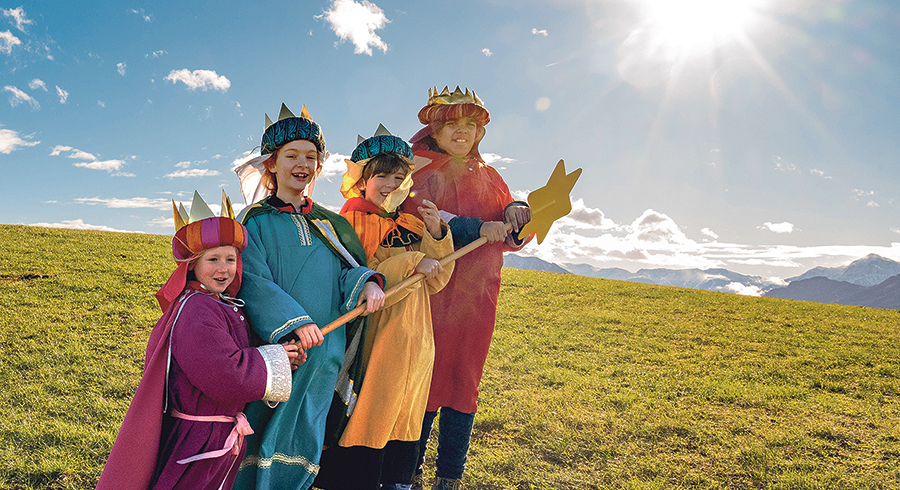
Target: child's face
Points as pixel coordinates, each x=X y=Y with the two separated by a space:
x=380 y=185
x=295 y=166
x=457 y=136
x=216 y=268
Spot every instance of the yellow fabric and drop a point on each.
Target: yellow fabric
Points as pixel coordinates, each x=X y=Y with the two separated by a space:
x=398 y=353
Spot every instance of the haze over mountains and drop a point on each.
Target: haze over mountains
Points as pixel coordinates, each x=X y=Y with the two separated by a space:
x=872 y=281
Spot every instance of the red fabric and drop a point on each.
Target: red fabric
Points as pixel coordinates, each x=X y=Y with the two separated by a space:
x=463 y=313
x=133 y=457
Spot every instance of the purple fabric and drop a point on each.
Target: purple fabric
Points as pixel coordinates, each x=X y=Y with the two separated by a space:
x=213 y=371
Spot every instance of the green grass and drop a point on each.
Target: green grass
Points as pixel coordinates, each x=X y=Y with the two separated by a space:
x=590 y=383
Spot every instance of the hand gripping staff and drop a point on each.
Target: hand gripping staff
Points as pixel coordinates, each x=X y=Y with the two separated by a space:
x=548 y=204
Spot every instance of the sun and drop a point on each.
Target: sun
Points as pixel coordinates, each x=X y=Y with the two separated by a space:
x=686 y=27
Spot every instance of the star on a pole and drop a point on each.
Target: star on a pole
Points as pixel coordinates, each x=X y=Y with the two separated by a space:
x=551 y=202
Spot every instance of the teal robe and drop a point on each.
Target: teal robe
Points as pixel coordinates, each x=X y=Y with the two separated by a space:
x=294 y=275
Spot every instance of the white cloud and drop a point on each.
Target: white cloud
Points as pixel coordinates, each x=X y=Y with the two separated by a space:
x=91 y=161
x=8 y=41
x=493 y=158
x=709 y=233
x=63 y=95
x=487 y=52
x=37 y=83
x=542 y=32
x=145 y=16
x=357 y=22
x=184 y=164
x=10 y=140
x=784 y=166
x=202 y=79
x=18 y=15
x=101 y=103
x=156 y=54
x=334 y=166
x=193 y=172
x=657 y=227
x=872 y=204
x=19 y=96
x=79 y=224
x=130 y=203
x=745 y=289
x=120 y=67
x=820 y=173
x=783 y=227
x=108 y=165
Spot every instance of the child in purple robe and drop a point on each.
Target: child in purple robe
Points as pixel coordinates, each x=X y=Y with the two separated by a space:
x=185 y=427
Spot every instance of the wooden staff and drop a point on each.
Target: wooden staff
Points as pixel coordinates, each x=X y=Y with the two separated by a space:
x=547 y=205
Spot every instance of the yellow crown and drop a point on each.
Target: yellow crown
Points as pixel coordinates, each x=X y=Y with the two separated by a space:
x=455 y=97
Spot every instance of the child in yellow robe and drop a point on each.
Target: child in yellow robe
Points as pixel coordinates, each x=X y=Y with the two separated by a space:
x=379 y=447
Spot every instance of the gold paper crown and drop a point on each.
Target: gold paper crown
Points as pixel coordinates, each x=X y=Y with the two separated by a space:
x=455 y=97
x=285 y=113
x=199 y=210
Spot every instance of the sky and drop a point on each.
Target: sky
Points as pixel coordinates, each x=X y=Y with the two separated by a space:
x=760 y=136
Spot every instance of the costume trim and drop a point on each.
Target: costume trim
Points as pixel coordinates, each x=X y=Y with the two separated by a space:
x=302 y=229
x=266 y=463
x=277 y=334
x=278 y=374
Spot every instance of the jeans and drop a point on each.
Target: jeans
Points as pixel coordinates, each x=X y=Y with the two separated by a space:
x=454 y=431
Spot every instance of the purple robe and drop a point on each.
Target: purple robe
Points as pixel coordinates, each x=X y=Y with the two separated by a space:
x=212 y=370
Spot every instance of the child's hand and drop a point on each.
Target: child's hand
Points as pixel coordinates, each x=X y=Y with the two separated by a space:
x=430 y=267
x=296 y=355
x=373 y=296
x=309 y=335
x=518 y=216
x=494 y=231
x=431 y=218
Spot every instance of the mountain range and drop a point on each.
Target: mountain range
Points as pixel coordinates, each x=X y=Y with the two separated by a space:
x=872 y=281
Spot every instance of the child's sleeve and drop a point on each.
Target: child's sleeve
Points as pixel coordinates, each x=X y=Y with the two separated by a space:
x=205 y=350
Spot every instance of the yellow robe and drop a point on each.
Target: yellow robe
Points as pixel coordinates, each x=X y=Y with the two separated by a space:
x=398 y=354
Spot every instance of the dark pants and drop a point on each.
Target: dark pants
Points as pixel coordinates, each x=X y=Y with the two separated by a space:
x=454 y=432
x=365 y=468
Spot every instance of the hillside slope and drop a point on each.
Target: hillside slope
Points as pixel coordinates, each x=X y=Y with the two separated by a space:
x=590 y=383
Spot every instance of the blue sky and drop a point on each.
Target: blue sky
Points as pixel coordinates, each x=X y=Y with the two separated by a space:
x=761 y=137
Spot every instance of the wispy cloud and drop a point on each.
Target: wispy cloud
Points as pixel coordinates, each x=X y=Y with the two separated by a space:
x=10 y=140
x=156 y=54
x=542 y=32
x=202 y=79
x=19 y=97
x=820 y=173
x=487 y=52
x=129 y=203
x=63 y=95
x=91 y=161
x=37 y=83
x=120 y=67
x=8 y=41
x=709 y=233
x=334 y=166
x=193 y=172
x=79 y=224
x=357 y=22
x=18 y=16
x=783 y=227
x=654 y=240
x=147 y=17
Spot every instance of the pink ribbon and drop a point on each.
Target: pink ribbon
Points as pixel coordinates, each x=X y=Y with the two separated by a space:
x=232 y=444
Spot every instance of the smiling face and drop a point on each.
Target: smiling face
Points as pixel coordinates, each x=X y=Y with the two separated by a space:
x=295 y=167
x=457 y=136
x=380 y=185
x=216 y=268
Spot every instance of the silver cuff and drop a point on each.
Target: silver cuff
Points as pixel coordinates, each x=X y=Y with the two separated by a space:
x=278 y=378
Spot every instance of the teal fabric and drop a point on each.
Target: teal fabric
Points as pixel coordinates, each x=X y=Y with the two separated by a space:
x=293 y=277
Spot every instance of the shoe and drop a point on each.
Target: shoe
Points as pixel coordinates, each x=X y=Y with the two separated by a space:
x=447 y=484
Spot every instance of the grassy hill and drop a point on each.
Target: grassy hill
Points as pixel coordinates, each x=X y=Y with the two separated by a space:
x=590 y=383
